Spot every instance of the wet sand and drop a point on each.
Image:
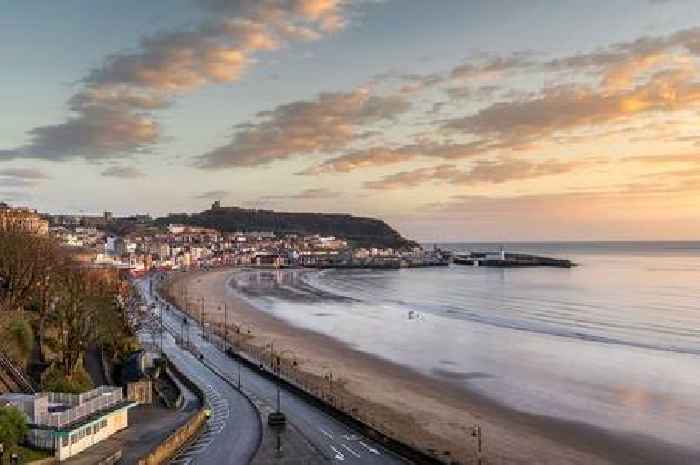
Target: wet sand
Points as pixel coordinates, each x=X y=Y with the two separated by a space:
x=432 y=414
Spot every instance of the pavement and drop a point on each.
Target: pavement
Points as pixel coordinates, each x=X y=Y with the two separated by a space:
x=312 y=435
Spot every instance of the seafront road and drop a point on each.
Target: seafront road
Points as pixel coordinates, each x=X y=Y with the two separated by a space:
x=234 y=429
x=236 y=432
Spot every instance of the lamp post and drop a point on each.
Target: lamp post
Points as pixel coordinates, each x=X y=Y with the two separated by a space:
x=280 y=358
x=160 y=313
x=277 y=418
x=201 y=319
x=328 y=375
x=478 y=435
x=270 y=346
x=225 y=326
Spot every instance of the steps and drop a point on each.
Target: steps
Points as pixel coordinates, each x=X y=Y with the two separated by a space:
x=12 y=378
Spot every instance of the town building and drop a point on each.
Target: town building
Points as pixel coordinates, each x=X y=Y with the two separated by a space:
x=22 y=219
x=67 y=424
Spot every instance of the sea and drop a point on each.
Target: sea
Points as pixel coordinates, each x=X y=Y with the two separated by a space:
x=613 y=342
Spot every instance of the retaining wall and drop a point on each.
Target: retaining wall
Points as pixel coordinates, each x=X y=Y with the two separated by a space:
x=183 y=435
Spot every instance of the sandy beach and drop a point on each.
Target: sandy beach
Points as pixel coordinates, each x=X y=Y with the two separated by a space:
x=429 y=413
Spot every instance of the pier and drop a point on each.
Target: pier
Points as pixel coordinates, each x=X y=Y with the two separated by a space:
x=509 y=260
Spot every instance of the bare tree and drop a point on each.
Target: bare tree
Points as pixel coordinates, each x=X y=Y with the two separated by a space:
x=25 y=262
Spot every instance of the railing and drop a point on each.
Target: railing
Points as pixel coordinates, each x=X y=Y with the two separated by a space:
x=83 y=405
x=17 y=376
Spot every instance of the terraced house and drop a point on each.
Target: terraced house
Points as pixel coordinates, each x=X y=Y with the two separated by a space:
x=22 y=219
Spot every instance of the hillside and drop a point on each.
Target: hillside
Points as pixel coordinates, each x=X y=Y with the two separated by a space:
x=361 y=232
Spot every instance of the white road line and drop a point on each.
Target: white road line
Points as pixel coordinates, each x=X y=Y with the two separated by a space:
x=326 y=433
x=370 y=449
x=347 y=448
x=338 y=455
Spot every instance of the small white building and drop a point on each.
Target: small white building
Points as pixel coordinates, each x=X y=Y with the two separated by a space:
x=67 y=424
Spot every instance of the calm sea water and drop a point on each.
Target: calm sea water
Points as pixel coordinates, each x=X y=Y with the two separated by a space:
x=614 y=342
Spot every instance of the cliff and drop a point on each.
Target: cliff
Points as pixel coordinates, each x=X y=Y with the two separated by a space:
x=359 y=231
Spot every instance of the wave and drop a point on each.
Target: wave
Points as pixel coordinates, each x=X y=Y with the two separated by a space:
x=550 y=320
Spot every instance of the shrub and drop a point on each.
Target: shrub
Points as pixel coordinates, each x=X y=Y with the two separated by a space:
x=23 y=336
x=13 y=426
x=55 y=381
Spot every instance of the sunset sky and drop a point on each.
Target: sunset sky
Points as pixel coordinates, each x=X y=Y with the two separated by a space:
x=497 y=120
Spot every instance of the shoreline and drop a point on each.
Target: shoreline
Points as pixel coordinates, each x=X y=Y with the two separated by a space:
x=434 y=413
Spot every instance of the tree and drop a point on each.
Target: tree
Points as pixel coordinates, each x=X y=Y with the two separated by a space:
x=117 y=324
x=13 y=426
x=87 y=308
x=25 y=262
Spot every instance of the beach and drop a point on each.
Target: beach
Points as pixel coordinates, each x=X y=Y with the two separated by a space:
x=432 y=413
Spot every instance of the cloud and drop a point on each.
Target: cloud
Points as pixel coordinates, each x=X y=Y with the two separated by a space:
x=639 y=77
x=328 y=14
x=620 y=63
x=416 y=82
x=483 y=171
x=16 y=182
x=98 y=133
x=383 y=156
x=492 y=66
x=13 y=196
x=569 y=107
x=372 y=157
x=112 y=114
x=413 y=178
x=664 y=159
x=307 y=194
x=23 y=173
x=615 y=202
x=213 y=195
x=20 y=177
x=477 y=67
x=326 y=124
x=477 y=94
x=124 y=172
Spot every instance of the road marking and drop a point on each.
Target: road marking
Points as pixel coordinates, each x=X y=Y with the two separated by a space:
x=347 y=448
x=351 y=437
x=338 y=455
x=370 y=449
x=326 y=433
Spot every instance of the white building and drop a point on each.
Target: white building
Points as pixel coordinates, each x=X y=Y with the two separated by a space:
x=176 y=228
x=67 y=424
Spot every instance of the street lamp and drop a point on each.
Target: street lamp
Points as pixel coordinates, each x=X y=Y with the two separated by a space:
x=328 y=375
x=270 y=346
x=225 y=325
x=201 y=320
x=280 y=358
x=277 y=418
x=478 y=435
x=160 y=313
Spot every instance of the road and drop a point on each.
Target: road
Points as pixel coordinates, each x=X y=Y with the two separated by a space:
x=234 y=430
x=332 y=439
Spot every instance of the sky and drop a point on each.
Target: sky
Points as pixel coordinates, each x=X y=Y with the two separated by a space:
x=493 y=120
